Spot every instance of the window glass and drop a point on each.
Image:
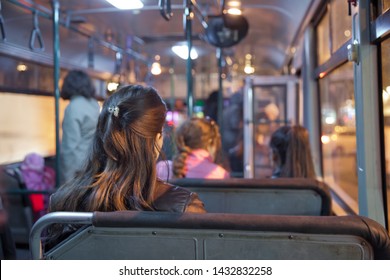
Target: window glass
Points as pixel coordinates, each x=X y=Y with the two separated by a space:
x=269 y=114
x=339 y=130
x=323 y=42
x=23 y=76
x=27 y=125
x=386 y=112
x=341 y=24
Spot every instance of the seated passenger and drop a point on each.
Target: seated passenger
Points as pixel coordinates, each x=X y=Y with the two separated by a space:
x=199 y=145
x=120 y=173
x=37 y=177
x=291 y=153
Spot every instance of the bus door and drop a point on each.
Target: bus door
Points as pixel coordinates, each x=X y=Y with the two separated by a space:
x=269 y=102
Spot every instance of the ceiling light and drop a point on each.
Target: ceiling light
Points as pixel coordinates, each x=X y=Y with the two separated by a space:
x=21 y=67
x=234 y=3
x=182 y=52
x=234 y=11
x=156 y=68
x=248 y=69
x=112 y=86
x=126 y=4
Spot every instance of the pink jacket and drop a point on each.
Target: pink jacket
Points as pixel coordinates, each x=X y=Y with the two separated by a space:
x=199 y=165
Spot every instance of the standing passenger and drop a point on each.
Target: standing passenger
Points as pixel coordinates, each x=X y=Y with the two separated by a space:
x=211 y=106
x=120 y=173
x=79 y=123
x=291 y=153
x=233 y=136
x=199 y=152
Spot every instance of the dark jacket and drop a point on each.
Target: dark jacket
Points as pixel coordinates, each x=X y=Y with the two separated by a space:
x=172 y=198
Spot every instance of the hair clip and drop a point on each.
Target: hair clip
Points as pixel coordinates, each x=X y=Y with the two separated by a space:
x=114 y=110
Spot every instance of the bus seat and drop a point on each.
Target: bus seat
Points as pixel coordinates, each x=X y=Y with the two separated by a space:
x=281 y=196
x=16 y=204
x=212 y=236
x=7 y=243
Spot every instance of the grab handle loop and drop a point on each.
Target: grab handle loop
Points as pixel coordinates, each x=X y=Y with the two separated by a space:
x=36 y=34
x=165 y=9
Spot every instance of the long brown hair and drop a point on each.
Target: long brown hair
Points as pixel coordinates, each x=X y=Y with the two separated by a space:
x=291 y=146
x=120 y=173
x=195 y=133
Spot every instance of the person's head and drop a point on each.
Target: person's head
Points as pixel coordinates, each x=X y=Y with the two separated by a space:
x=121 y=170
x=195 y=133
x=263 y=123
x=211 y=105
x=291 y=152
x=75 y=83
x=33 y=162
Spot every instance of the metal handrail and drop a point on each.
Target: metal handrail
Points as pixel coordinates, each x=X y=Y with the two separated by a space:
x=54 y=218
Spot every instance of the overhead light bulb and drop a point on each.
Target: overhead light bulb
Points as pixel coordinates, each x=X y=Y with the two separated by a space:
x=182 y=52
x=21 y=67
x=156 y=68
x=112 y=86
x=249 y=69
x=126 y=4
x=234 y=11
x=234 y=3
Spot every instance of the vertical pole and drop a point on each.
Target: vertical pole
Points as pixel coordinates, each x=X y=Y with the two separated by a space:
x=171 y=75
x=249 y=144
x=220 y=90
x=311 y=101
x=56 y=76
x=188 y=20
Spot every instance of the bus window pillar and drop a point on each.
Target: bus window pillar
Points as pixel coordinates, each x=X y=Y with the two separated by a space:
x=367 y=121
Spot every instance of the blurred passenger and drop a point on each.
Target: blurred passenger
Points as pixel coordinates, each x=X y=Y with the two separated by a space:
x=7 y=242
x=37 y=177
x=198 y=152
x=79 y=123
x=211 y=106
x=291 y=153
x=263 y=164
x=232 y=138
x=120 y=173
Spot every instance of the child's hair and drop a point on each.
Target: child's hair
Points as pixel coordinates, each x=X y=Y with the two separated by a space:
x=195 y=133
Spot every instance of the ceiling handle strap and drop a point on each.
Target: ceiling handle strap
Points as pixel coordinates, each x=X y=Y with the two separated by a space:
x=165 y=9
x=36 y=35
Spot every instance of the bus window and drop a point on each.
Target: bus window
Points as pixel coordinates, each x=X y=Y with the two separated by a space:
x=28 y=127
x=323 y=43
x=269 y=114
x=339 y=130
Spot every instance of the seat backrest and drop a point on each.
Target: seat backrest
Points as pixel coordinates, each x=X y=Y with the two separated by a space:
x=16 y=203
x=281 y=196
x=213 y=236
